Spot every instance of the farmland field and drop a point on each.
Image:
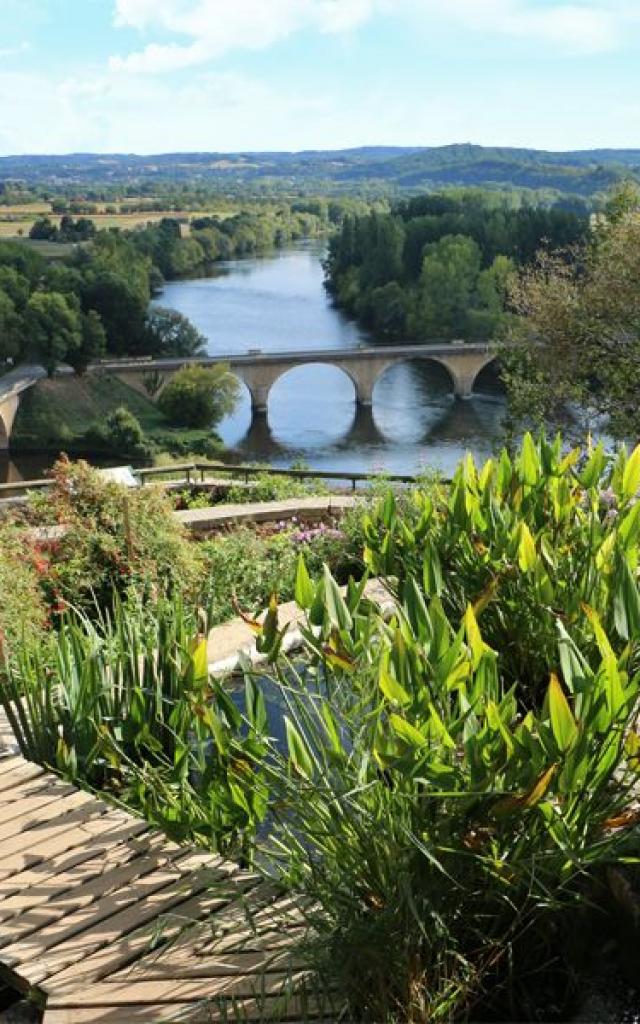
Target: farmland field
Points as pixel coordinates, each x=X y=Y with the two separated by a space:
x=17 y=221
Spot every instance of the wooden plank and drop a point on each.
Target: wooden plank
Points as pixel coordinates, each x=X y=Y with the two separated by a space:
x=144 y=1014
x=77 y=805
x=105 y=921
x=124 y=952
x=51 y=839
x=164 y=964
x=47 y=803
x=158 y=991
x=20 y=772
x=113 y=870
x=35 y=885
x=23 y=788
x=278 y=1008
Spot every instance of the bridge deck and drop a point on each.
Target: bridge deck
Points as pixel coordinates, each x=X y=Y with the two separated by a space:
x=94 y=906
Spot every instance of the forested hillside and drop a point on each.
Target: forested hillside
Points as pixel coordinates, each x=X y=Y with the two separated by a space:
x=439 y=266
x=582 y=174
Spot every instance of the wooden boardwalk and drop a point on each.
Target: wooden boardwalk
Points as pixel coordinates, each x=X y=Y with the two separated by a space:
x=103 y=920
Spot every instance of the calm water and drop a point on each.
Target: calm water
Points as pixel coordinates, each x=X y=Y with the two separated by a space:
x=278 y=303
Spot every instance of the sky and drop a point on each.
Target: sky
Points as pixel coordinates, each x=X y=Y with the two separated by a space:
x=152 y=76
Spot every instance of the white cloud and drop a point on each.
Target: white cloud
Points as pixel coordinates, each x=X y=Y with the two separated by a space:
x=584 y=27
x=215 y=27
x=207 y=29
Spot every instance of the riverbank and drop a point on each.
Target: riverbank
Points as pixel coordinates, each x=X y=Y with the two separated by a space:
x=69 y=414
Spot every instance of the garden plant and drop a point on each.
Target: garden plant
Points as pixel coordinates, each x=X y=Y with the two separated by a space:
x=449 y=789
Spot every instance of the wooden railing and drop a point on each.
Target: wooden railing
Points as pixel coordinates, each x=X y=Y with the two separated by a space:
x=198 y=472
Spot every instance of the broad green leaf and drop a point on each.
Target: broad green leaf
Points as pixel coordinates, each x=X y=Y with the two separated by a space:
x=626 y=601
x=529 y=461
x=527 y=555
x=390 y=686
x=563 y=724
x=200 y=661
x=407 y=732
x=439 y=729
x=298 y=752
x=304 y=589
x=486 y=596
x=631 y=475
x=474 y=637
x=594 y=467
x=337 y=610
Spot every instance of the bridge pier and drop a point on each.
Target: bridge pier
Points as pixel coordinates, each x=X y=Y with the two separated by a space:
x=259 y=400
x=463 y=385
x=8 y=410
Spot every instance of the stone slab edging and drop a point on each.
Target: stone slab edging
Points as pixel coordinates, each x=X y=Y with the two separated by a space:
x=200 y=520
x=233 y=641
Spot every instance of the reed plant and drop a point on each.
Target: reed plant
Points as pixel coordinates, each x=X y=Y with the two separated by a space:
x=450 y=844
x=123 y=703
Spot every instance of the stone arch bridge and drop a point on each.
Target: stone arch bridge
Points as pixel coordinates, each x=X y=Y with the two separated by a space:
x=260 y=371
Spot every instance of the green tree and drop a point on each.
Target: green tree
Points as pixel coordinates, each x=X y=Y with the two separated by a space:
x=169 y=333
x=53 y=328
x=123 y=433
x=577 y=339
x=448 y=281
x=198 y=396
x=121 y=308
x=11 y=329
x=93 y=342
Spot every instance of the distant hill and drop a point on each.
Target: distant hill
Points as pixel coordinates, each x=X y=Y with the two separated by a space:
x=583 y=173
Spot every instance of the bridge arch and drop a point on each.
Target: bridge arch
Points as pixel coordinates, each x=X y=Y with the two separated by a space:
x=419 y=359
x=488 y=374
x=4 y=434
x=260 y=392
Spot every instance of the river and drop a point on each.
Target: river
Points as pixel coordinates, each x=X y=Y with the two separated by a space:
x=278 y=303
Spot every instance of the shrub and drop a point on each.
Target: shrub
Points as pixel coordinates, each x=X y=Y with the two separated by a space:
x=114 y=539
x=449 y=848
x=120 y=433
x=526 y=540
x=269 y=487
x=23 y=615
x=246 y=568
x=198 y=396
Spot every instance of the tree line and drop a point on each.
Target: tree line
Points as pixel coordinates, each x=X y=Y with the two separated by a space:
x=440 y=266
x=94 y=301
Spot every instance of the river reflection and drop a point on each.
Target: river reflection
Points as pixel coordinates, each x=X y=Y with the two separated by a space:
x=279 y=303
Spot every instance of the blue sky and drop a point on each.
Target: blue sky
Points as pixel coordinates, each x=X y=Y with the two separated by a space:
x=168 y=75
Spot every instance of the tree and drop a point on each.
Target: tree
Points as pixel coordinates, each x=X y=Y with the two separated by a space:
x=44 y=230
x=122 y=310
x=11 y=329
x=577 y=339
x=53 y=328
x=123 y=433
x=169 y=333
x=448 y=282
x=93 y=342
x=198 y=396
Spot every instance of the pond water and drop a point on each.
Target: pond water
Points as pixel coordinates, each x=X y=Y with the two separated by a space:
x=278 y=303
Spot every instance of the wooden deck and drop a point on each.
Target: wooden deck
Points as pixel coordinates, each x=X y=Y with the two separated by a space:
x=94 y=909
